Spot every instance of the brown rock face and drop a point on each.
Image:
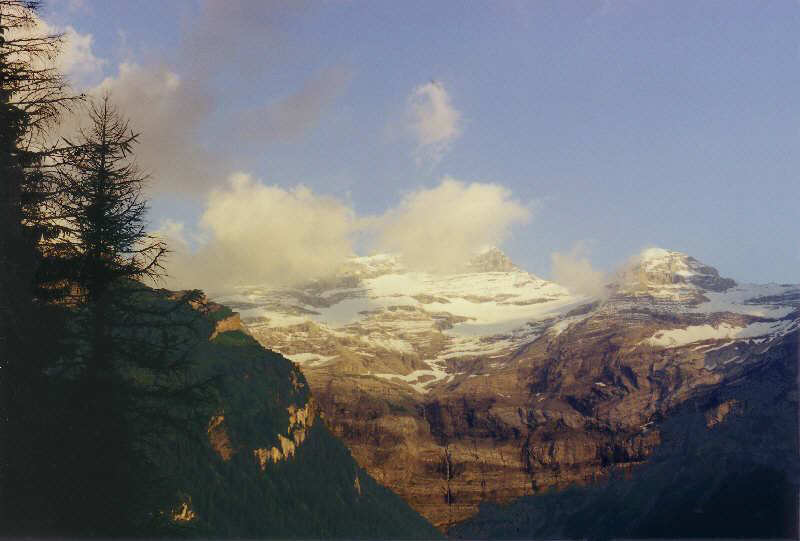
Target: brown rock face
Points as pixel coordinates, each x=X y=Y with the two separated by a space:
x=219 y=439
x=230 y=323
x=570 y=408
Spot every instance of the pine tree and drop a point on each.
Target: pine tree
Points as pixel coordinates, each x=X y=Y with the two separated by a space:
x=103 y=204
x=130 y=373
x=33 y=94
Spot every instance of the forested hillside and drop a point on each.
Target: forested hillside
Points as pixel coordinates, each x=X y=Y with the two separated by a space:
x=306 y=484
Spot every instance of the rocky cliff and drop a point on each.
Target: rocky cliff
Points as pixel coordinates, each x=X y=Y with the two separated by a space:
x=727 y=467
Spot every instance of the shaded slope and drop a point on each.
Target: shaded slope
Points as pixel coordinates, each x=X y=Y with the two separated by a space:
x=727 y=467
x=319 y=491
x=268 y=466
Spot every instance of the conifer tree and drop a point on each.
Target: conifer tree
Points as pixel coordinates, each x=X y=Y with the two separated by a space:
x=102 y=202
x=131 y=366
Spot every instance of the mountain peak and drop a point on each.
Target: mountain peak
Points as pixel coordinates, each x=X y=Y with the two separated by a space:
x=656 y=267
x=491 y=259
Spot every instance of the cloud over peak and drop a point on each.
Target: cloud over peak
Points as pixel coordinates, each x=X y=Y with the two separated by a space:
x=253 y=233
x=441 y=228
x=574 y=270
x=433 y=120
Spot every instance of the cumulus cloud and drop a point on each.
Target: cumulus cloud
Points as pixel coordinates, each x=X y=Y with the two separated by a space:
x=185 y=144
x=433 y=120
x=171 y=112
x=77 y=59
x=441 y=228
x=168 y=114
x=252 y=233
x=574 y=270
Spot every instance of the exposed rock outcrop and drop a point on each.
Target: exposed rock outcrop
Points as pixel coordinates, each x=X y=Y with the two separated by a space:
x=218 y=437
x=230 y=323
x=300 y=420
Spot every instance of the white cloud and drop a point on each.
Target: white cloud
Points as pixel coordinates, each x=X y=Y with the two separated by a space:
x=252 y=233
x=171 y=112
x=185 y=144
x=574 y=271
x=434 y=122
x=76 y=58
x=441 y=228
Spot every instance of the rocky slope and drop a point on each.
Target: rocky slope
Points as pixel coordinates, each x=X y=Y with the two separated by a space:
x=493 y=384
x=727 y=467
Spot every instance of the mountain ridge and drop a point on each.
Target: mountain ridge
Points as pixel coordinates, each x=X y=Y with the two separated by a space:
x=510 y=382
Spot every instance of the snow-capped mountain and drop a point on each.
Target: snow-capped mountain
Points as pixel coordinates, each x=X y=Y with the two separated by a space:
x=514 y=381
x=381 y=319
x=378 y=318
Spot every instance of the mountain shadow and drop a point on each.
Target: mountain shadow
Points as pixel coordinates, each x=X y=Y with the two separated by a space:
x=727 y=467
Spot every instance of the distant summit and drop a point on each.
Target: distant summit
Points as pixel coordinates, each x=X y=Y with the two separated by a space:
x=657 y=268
x=491 y=260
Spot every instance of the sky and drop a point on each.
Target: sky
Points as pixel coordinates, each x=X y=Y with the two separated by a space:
x=283 y=136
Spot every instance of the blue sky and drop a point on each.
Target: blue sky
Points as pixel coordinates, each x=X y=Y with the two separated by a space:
x=617 y=124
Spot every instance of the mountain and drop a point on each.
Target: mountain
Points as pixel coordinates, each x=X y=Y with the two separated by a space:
x=268 y=466
x=727 y=467
x=492 y=384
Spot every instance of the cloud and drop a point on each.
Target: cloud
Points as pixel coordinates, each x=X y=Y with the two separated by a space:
x=574 y=271
x=440 y=229
x=252 y=233
x=433 y=120
x=168 y=114
x=229 y=38
x=171 y=112
x=76 y=58
x=297 y=113
x=185 y=143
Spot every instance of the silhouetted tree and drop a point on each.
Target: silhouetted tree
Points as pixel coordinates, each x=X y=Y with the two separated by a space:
x=32 y=95
x=103 y=205
x=131 y=368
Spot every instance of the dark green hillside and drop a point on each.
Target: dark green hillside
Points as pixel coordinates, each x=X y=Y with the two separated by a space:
x=732 y=478
x=228 y=444
x=318 y=492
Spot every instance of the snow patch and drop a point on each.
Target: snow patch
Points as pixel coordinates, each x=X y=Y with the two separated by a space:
x=309 y=359
x=435 y=369
x=696 y=333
